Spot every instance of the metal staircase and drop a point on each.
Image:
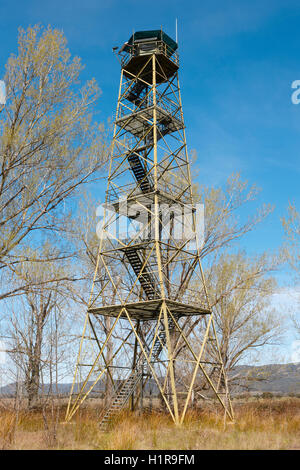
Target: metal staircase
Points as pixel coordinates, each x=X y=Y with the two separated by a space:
x=128 y=386
x=121 y=396
x=140 y=173
x=166 y=125
x=161 y=341
x=135 y=93
x=146 y=278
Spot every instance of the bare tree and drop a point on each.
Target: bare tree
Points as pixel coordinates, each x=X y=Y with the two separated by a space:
x=241 y=290
x=82 y=233
x=239 y=287
x=291 y=225
x=37 y=324
x=49 y=144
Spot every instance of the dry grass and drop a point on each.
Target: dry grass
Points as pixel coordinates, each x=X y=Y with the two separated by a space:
x=260 y=424
x=8 y=424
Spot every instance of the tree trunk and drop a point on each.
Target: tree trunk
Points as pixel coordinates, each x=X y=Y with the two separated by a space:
x=34 y=366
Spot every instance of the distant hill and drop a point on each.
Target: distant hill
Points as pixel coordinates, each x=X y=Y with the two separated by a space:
x=275 y=378
x=64 y=389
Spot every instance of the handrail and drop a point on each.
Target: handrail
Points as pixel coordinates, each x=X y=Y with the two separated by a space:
x=160 y=47
x=170 y=107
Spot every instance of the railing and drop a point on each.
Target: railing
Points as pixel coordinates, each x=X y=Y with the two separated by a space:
x=169 y=106
x=147 y=48
x=122 y=192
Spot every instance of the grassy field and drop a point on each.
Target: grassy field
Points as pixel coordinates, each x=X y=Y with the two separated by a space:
x=260 y=424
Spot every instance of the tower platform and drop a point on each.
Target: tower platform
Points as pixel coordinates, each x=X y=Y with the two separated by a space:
x=166 y=67
x=138 y=122
x=149 y=310
x=146 y=199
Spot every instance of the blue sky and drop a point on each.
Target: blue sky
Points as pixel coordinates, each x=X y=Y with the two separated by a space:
x=238 y=61
x=237 y=65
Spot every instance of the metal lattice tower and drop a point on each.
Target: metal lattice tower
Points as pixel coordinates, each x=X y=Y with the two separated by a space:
x=149 y=285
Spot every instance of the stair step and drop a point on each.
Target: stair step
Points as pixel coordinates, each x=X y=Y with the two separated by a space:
x=136 y=376
x=140 y=172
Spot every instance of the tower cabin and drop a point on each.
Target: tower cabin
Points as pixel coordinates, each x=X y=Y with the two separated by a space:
x=136 y=51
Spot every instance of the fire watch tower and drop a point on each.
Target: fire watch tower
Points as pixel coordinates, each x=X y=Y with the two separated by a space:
x=149 y=288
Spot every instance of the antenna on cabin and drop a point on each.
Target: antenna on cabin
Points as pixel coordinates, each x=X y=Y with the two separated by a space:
x=176 y=31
